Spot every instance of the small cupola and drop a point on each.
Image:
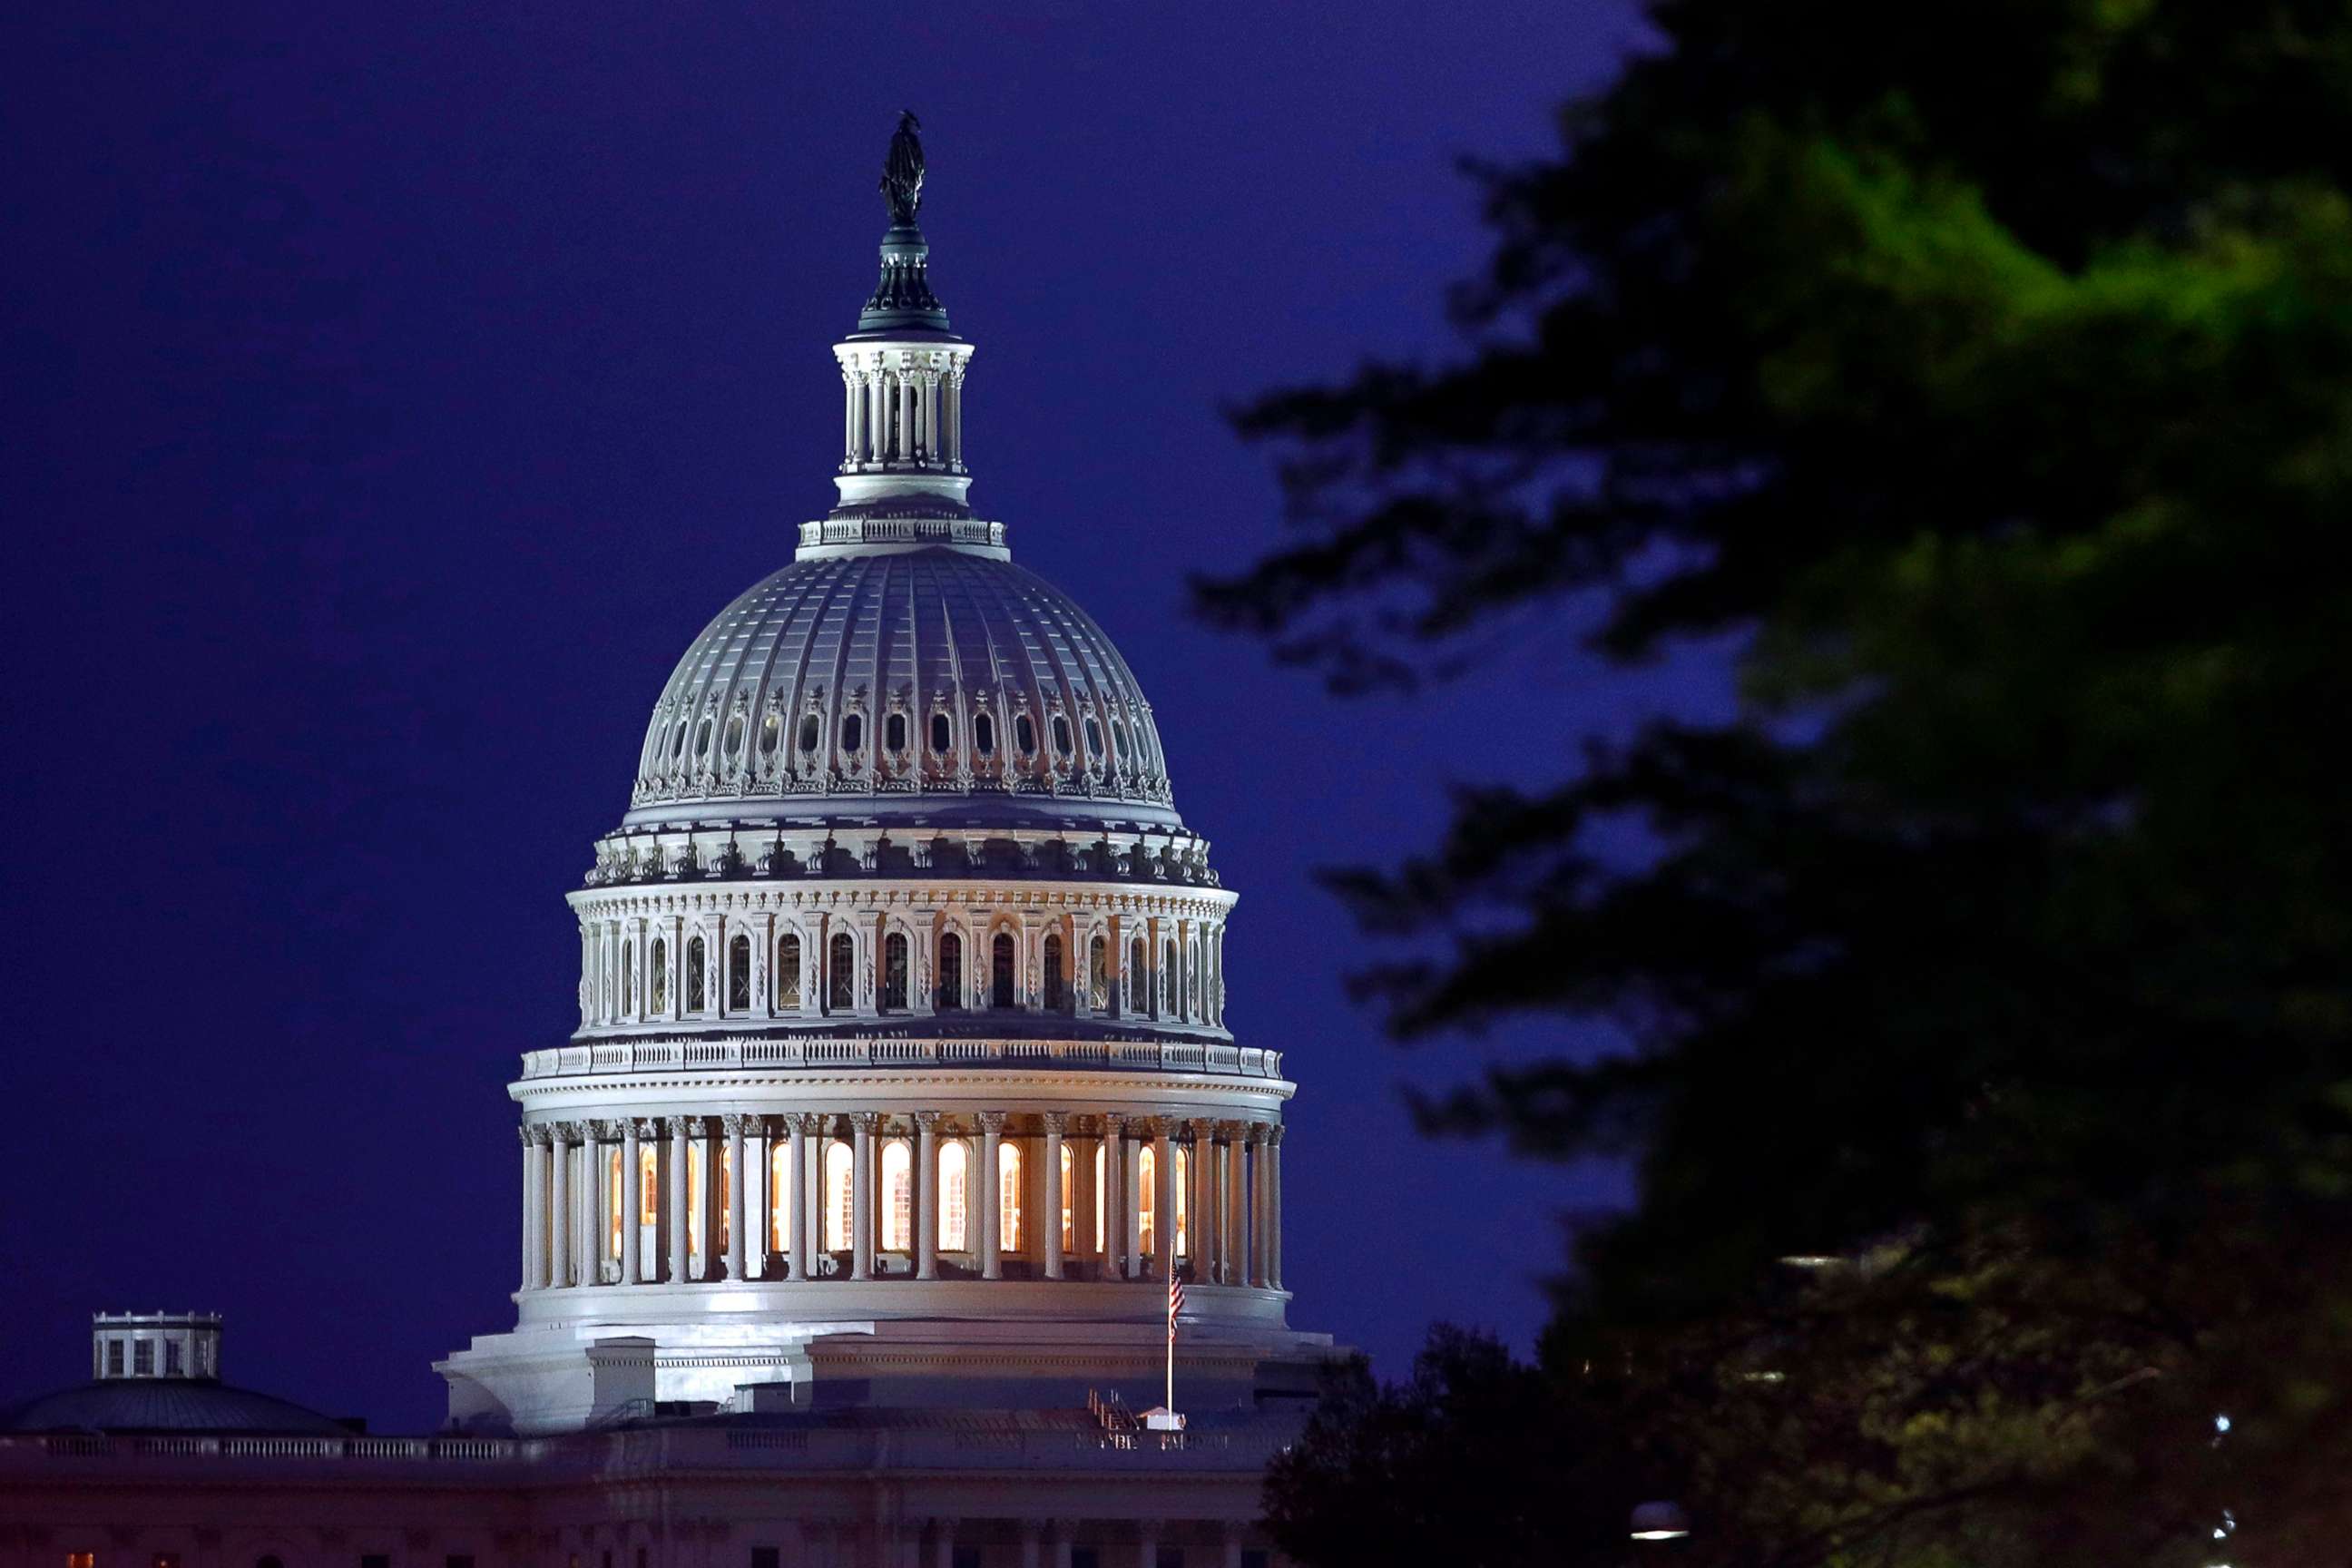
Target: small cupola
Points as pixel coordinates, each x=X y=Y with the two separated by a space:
x=156 y=1345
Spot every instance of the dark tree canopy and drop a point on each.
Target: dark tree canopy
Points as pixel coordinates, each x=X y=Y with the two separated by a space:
x=1986 y=371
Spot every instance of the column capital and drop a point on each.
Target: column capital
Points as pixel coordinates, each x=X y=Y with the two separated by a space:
x=633 y=1130
x=675 y=1125
x=1273 y=1135
x=866 y=1121
x=1113 y=1123
x=734 y=1122
x=1057 y=1122
x=649 y=1128
x=610 y=1130
x=530 y=1135
x=1232 y=1132
x=562 y=1131
x=927 y=1120
x=808 y=1123
x=1203 y=1129
x=991 y=1123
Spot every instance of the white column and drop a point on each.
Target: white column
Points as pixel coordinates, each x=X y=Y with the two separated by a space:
x=529 y=1204
x=1200 y=1200
x=926 y=1194
x=991 y=1249
x=861 y=1193
x=759 y=1171
x=632 y=1199
x=559 y=1229
x=678 y=1159
x=1273 y=1207
x=1163 y=1235
x=800 y=1125
x=875 y=427
x=738 y=1190
x=1237 y=1229
x=848 y=416
x=1089 y=1200
x=1054 y=1122
x=1257 y=1204
x=709 y=1265
x=931 y=416
x=1114 y=1165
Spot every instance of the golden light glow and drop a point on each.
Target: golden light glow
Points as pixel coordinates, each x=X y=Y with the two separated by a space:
x=779 y=1195
x=1099 y=1157
x=840 y=1218
x=1183 y=1202
x=897 y=1196
x=1069 y=1177
x=955 y=1196
x=648 y=1185
x=1008 y=1197
x=614 y=1199
x=1147 y=1202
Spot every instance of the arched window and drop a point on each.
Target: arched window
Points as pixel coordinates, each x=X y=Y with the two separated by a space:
x=1068 y=1177
x=839 y=1218
x=1062 y=735
x=771 y=734
x=1024 y=735
x=788 y=973
x=1168 y=981
x=810 y=731
x=658 y=983
x=1008 y=1196
x=733 y=744
x=894 y=972
x=649 y=1183
x=614 y=1196
x=1098 y=974
x=942 y=731
x=951 y=971
x=1183 y=1202
x=739 y=972
x=629 y=977
x=894 y=732
x=1101 y=1206
x=779 y=1195
x=841 y=974
x=694 y=967
x=897 y=1196
x=984 y=734
x=853 y=734
x=1000 y=970
x=1056 y=993
x=1139 y=978
x=1147 y=1202
x=955 y=1195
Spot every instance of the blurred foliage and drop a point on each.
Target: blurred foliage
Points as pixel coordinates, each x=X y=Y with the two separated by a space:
x=1984 y=374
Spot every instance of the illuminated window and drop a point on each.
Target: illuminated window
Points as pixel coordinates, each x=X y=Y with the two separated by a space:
x=841 y=977
x=694 y=967
x=81 y=1559
x=1098 y=974
x=1100 y=1161
x=897 y=1196
x=839 y=1218
x=629 y=977
x=614 y=1199
x=1056 y=993
x=788 y=974
x=1184 y=1171
x=658 y=983
x=1000 y=970
x=1008 y=1196
x=1147 y=1202
x=771 y=732
x=165 y=1560
x=1069 y=1174
x=894 y=972
x=942 y=733
x=983 y=735
x=894 y=732
x=739 y=972
x=695 y=1170
x=726 y=1197
x=779 y=1195
x=648 y=1185
x=955 y=1195
x=950 y=971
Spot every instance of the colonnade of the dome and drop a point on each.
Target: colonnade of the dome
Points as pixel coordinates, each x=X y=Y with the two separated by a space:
x=865 y=1194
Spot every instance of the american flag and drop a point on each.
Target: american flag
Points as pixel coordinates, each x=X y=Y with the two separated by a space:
x=1175 y=1301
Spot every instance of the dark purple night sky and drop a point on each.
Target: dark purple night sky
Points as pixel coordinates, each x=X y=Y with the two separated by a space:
x=391 y=394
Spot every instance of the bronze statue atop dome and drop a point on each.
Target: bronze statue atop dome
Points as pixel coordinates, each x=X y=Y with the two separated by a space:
x=902 y=171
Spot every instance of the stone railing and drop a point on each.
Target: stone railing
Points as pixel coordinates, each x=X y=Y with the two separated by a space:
x=695 y=1054
x=95 y=1445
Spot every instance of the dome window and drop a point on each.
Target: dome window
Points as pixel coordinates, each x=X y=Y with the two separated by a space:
x=853 y=734
x=950 y=971
x=732 y=745
x=1119 y=739
x=1024 y=735
x=678 y=742
x=788 y=974
x=809 y=728
x=841 y=974
x=894 y=732
x=1001 y=991
x=983 y=735
x=894 y=972
x=702 y=740
x=1062 y=735
x=772 y=734
x=1094 y=738
x=942 y=733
